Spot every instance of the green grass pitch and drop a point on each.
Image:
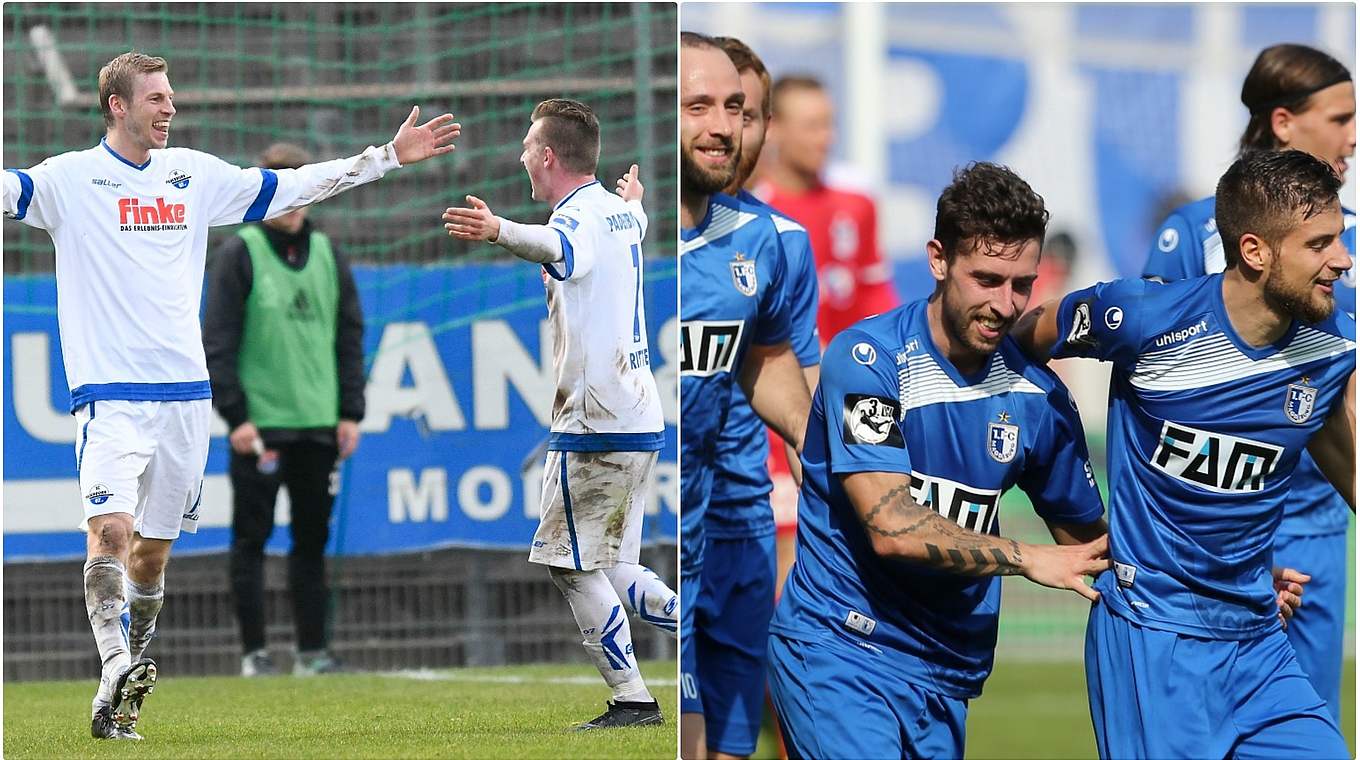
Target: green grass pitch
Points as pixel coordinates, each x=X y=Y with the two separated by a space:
x=517 y=712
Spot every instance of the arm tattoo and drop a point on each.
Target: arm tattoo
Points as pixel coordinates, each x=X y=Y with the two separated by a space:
x=948 y=545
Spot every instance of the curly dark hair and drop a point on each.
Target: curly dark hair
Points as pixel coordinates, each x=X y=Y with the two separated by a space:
x=1264 y=191
x=1284 y=76
x=988 y=201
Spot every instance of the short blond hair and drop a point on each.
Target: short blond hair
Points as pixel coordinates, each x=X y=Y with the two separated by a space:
x=118 y=75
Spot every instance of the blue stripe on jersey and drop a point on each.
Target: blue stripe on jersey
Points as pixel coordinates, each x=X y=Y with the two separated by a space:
x=568 y=257
x=190 y=391
x=571 y=522
x=25 y=193
x=607 y=441
x=84 y=437
x=260 y=207
x=573 y=193
x=112 y=152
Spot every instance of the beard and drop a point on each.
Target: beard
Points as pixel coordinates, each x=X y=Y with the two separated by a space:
x=746 y=166
x=696 y=179
x=1298 y=302
x=958 y=323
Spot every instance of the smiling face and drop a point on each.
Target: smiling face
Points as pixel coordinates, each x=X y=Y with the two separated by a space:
x=1325 y=128
x=983 y=289
x=1305 y=265
x=711 y=101
x=144 y=119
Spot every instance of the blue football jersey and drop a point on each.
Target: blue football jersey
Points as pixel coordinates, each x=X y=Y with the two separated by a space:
x=889 y=402
x=737 y=508
x=1204 y=433
x=1188 y=245
x=732 y=275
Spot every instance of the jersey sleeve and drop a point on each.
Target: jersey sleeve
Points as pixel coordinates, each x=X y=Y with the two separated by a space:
x=574 y=226
x=1103 y=322
x=772 y=319
x=1176 y=253
x=802 y=292
x=863 y=411
x=1058 y=478
x=251 y=195
x=32 y=195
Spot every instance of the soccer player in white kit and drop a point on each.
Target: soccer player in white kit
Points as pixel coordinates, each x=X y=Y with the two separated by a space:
x=606 y=418
x=129 y=219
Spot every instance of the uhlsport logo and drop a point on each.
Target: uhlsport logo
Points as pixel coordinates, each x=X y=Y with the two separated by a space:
x=864 y=353
x=140 y=215
x=1114 y=317
x=1215 y=461
x=99 y=493
x=178 y=179
x=1299 y=401
x=744 y=275
x=1182 y=334
x=1003 y=439
x=707 y=348
x=970 y=507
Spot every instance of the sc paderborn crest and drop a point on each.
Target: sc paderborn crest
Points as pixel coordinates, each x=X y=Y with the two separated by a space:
x=1298 y=403
x=744 y=275
x=1002 y=441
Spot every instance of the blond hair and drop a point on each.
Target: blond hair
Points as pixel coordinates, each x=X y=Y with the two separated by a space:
x=118 y=75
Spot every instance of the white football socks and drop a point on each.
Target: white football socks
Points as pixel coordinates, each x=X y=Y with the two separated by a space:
x=144 y=604
x=106 y=603
x=646 y=594
x=604 y=626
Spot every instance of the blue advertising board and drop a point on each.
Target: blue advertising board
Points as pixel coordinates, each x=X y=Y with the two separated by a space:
x=459 y=387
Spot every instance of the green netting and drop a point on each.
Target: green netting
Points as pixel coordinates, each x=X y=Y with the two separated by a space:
x=337 y=77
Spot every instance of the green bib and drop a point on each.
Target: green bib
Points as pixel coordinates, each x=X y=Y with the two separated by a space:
x=287 y=361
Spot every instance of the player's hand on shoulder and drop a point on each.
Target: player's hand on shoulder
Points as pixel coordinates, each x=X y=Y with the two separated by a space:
x=476 y=222
x=433 y=138
x=629 y=187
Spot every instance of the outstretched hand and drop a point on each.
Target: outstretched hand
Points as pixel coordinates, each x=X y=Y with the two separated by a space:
x=433 y=138
x=473 y=223
x=629 y=187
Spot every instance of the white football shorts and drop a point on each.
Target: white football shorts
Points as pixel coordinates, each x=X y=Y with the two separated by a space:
x=145 y=459
x=592 y=508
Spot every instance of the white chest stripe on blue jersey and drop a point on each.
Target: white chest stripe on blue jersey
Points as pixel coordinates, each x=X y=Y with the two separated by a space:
x=783 y=224
x=724 y=222
x=1214 y=359
x=922 y=382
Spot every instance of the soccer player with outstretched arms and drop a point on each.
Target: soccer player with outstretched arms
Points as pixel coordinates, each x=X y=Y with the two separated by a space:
x=129 y=219
x=924 y=416
x=1304 y=99
x=607 y=422
x=1219 y=385
x=735 y=323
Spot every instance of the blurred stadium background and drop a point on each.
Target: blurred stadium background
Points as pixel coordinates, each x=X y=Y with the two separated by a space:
x=1115 y=113
x=439 y=504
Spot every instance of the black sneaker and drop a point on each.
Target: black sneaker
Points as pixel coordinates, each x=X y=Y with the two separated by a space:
x=102 y=726
x=626 y=714
x=131 y=688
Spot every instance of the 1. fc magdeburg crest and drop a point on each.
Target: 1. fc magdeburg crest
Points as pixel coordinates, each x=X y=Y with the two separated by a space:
x=1298 y=403
x=744 y=275
x=1002 y=441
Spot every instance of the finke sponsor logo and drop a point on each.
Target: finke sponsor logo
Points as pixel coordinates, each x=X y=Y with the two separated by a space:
x=140 y=215
x=1183 y=334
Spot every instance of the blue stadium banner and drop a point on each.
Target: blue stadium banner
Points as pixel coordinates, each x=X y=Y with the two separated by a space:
x=459 y=393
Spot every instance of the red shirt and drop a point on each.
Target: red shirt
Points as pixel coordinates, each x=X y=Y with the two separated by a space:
x=853 y=281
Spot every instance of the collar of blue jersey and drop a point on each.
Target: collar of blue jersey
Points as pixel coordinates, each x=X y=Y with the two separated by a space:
x=1252 y=352
x=574 y=192
x=104 y=141
x=921 y=325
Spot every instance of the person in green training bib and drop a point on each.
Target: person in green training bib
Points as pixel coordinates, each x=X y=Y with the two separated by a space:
x=283 y=334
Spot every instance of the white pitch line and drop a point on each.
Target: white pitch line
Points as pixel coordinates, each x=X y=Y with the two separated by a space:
x=425 y=674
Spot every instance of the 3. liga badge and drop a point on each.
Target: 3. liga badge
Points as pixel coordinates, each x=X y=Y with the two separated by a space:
x=1298 y=402
x=744 y=275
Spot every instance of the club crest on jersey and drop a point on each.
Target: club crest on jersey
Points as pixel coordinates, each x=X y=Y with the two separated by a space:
x=1003 y=440
x=1299 y=401
x=871 y=420
x=178 y=179
x=99 y=493
x=744 y=275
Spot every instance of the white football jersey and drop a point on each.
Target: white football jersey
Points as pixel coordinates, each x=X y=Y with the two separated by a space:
x=606 y=396
x=131 y=242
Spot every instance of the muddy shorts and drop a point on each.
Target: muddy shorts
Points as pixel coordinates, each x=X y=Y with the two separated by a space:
x=592 y=508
